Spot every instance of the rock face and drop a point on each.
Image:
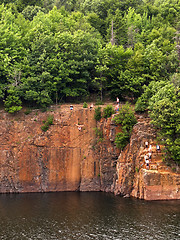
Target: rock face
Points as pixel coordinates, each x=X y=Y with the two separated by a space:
x=154 y=185
x=158 y=182
x=78 y=154
x=65 y=158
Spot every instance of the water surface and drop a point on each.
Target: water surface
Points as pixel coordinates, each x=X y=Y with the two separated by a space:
x=84 y=216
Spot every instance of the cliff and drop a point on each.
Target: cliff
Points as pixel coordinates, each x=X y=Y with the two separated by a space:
x=159 y=181
x=67 y=157
x=78 y=154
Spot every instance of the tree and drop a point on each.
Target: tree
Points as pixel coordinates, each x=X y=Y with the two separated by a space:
x=12 y=102
x=162 y=100
x=149 y=91
x=101 y=71
x=166 y=117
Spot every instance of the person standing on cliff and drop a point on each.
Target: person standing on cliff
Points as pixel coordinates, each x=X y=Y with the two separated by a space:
x=117 y=108
x=117 y=100
x=158 y=148
x=91 y=106
x=146 y=144
x=150 y=148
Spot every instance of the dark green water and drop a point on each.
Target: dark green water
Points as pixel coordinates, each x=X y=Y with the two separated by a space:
x=86 y=216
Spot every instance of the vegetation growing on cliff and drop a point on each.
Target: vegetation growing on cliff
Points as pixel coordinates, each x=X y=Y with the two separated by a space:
x=85 y=105
x=99 y=134
x=163 y=101
x=53 y=51
x=127 y=120
x=108 y=111
x=47 y=123
x=97 y=114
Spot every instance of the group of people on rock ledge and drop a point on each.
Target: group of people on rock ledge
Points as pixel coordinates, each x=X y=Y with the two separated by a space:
x=148 y=156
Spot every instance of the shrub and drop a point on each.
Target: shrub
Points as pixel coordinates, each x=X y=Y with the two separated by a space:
x=45 y=127
x=99 y=134
x=97 y=114
x=127 y=120
x=47 y=123
x=141 y=105
x=121 y=139
x=12 y=104
x=85 y=105
x=50 y=120
x=143 y=101
x=108 y=111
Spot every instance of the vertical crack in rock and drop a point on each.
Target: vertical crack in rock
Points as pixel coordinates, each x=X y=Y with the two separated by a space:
x=43 y=169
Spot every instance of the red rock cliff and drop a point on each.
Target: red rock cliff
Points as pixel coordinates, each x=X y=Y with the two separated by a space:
x=64 y=158
x=159 y=182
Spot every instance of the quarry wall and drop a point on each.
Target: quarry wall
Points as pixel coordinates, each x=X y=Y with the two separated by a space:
x=70 y=156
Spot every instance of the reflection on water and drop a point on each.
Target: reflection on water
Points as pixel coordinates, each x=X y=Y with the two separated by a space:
x=84 y=216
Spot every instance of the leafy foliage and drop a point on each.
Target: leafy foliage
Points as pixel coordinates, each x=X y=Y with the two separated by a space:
x=165 y=114
x=108 y=111
x=125 y=117
x=127 y=120
x=97 y=114
x=121 y=139
x=47 y=123
x=50 y=53
x=143 y=101
x=162 y=100
x=12 y=104
x=99 y=134
x=85 y=105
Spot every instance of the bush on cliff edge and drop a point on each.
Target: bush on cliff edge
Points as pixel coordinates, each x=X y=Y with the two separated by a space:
x=127 y=120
